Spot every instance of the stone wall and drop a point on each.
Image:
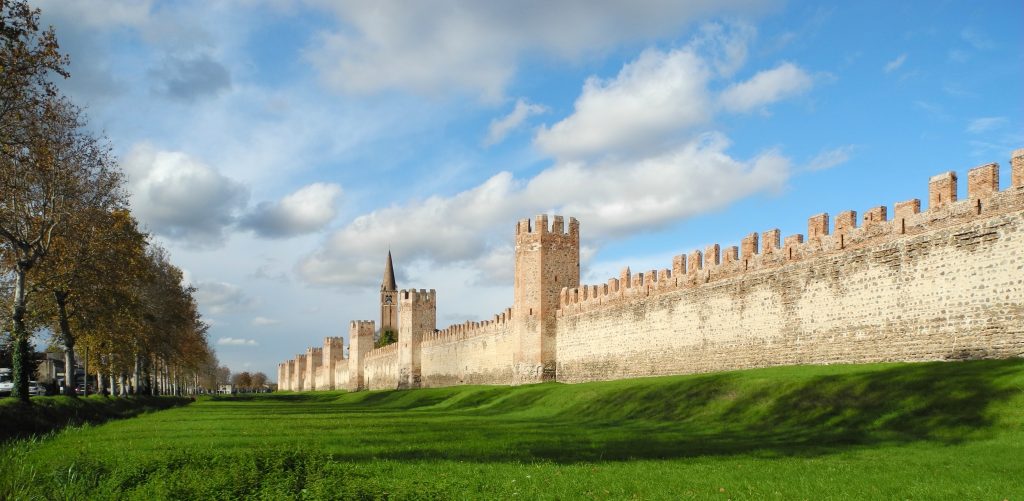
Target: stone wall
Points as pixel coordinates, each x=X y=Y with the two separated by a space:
x=341 y=376
x=938 y=285
x=946 y=283
x=470 y=353
x=380 y=370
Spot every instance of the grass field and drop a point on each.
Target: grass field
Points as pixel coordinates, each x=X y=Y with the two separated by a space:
x=884 y=431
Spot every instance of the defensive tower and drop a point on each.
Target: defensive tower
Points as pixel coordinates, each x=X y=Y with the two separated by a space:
x=360 y=342
x=418 y=317
x=547 y=259
x=333 y=352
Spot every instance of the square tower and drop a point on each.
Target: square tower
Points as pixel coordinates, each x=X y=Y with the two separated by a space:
x=547 y=259
x=333 y=352
x=418 y=317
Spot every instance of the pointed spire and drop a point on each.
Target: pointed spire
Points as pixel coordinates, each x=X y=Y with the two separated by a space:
x=389 y=276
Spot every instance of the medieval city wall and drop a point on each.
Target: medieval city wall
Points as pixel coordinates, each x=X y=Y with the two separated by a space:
x=942 y=284
x=341 y=377
x=380 y=369
x=471 y=353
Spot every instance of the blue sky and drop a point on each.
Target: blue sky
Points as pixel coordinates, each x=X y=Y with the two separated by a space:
x=279 y=148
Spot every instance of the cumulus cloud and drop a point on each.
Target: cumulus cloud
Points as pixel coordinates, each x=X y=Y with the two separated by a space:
x=985 y=124
x=501 y=127
x=652 y=97
x=221 y=297
x=100 y=13
x=307 y=210
x=475 y=46
x=620 y=198
x=895 y=64
x=610 y=198
x=441 y=229
x=264 y=321
x=180 y=197
x=236 y=341
x=635 y=155
x=766 y=87
x=190 y=79
x=831 y=158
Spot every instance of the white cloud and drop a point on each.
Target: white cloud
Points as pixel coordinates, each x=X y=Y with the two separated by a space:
x=724 y=45
x=100 y=13
x=650 y=100
x=831 y=158
x=180 y=197
x=895 y=64
x=630 y=158
x=475 y=46
x=220 y=297
x=985 y=124
x=235 y=341
x=610 y=198
x=441 y=229
x=501 y=127
x=264 y=321
x=766 y=87
x=616 y=198
x=307 y=210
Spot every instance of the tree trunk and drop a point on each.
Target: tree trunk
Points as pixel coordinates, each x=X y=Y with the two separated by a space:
x=99 y=381
x=70 y=375
x=85 y=371
x=136 y=379
x=20 y=356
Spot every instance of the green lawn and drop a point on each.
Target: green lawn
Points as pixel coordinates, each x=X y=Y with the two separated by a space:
x=883 y=431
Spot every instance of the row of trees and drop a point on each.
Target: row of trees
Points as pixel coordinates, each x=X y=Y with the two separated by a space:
x=246 y=381
x=73 y=260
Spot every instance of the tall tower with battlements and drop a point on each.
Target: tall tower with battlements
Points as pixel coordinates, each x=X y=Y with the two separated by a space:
x=419 y=318
x=389 y=299
x=547 y=259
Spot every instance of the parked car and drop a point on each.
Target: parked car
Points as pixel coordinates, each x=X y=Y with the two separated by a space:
x=6 y=382
x=35 y=388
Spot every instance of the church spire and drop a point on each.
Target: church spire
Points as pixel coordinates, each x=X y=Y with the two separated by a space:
x=389 y=276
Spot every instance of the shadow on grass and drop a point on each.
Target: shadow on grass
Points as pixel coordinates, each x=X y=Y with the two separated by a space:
x=721 y=414
x=48 y=414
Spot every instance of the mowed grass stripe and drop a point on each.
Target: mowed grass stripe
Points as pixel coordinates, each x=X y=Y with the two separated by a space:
x=888 y=431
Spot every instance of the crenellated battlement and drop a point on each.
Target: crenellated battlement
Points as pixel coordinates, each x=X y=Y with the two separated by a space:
x=540 y=226
x=361 y=324
x=383 y=351
x=698 y=268
x=413 y=296
x=468 y=329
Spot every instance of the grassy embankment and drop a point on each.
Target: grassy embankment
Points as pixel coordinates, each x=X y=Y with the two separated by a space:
x=884 y=431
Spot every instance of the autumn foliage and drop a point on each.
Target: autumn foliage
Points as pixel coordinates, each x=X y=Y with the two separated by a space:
x=73 y=261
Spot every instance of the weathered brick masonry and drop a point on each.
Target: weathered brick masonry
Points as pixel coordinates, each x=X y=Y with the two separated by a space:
x=943 y=284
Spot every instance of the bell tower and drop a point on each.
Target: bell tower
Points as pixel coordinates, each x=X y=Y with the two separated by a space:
x=389 y=299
